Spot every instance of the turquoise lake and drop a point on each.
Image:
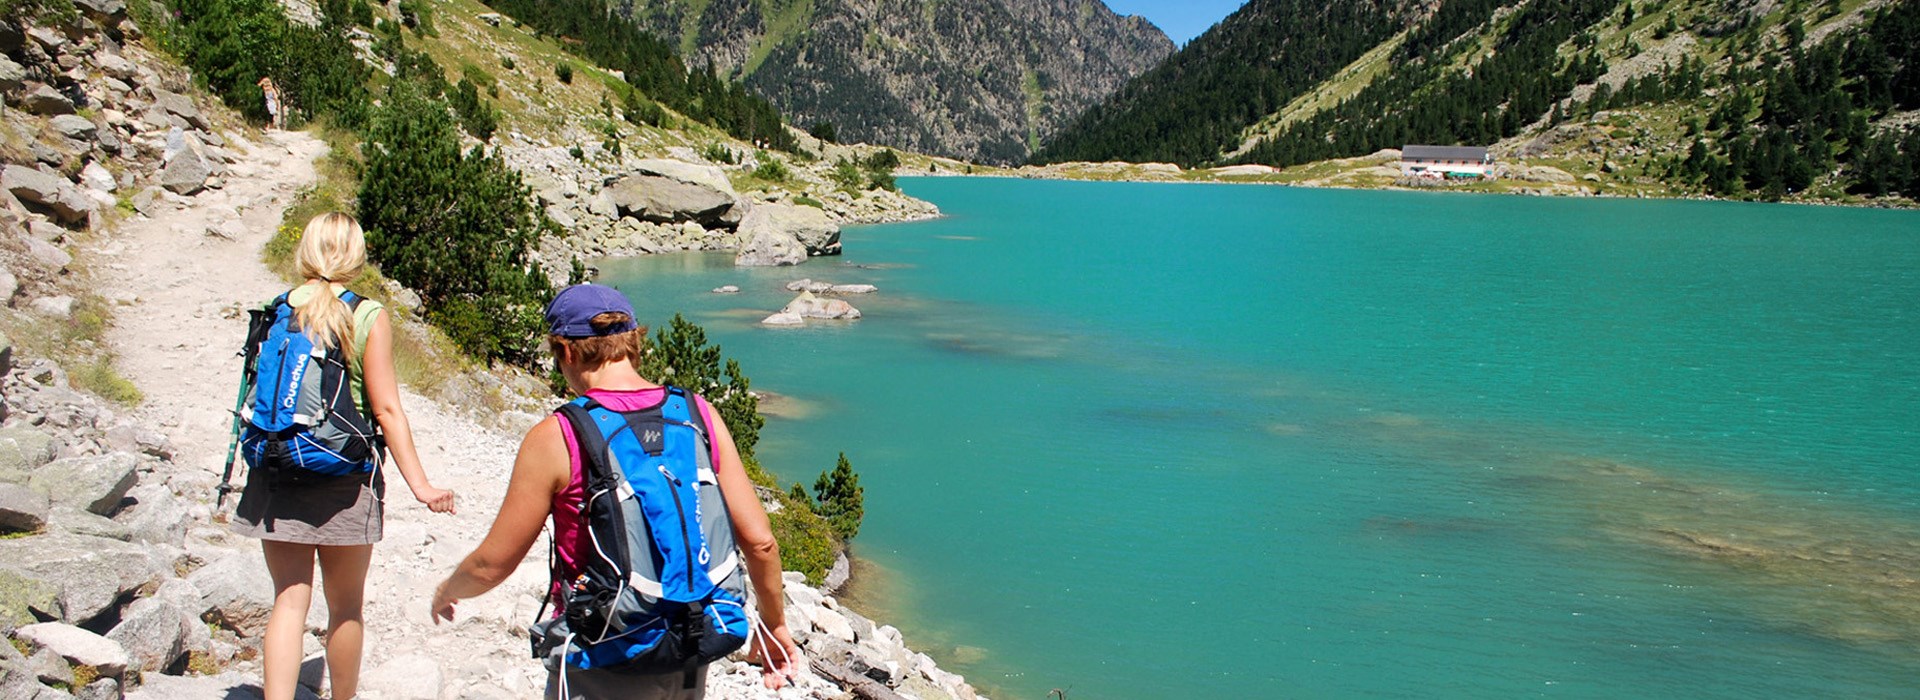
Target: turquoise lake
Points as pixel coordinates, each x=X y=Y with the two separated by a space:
x=1196 y=441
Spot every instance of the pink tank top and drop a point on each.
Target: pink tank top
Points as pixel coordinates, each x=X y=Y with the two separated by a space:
x=569 y=536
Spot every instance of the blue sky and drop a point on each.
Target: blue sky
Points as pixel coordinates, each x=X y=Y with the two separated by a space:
x=1182 y=20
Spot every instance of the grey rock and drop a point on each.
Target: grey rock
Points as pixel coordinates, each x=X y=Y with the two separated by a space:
x=25 y=599
x=116 y=67
x=148 y=201
x=8 y=285
x=106 y=11
x=726 y=289
x=49 y=39
x=57 y=307
x=46 y=666
x=73 y=521
x=46 y=230
x=672 y=191
x=73 y=126
x=853 y=289
x=491 y=18
x=43 y=153
x=102 y=689
x=23 y=509
x=154 y=633
x=186 y=172
x=409 y=677
x=133 y=437
x=98 y=178
x=23 y=449
x=233 y=685
x=11 y=39
x=783 y=234
x=48 y=190
x=94 y=483
x=46 y=101
x=236 y=592
x=806 y=305
x=783 y=319
x=180 y=106
x=93 y=572
x=51 y=257
x=12 y=75
x=77 y=646
x=156 y=516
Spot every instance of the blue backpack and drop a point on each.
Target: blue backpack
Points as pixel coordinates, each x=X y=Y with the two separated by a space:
x=298 y=414
x=662 y=588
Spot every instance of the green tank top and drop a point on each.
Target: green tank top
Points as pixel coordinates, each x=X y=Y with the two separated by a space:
x=362 y=325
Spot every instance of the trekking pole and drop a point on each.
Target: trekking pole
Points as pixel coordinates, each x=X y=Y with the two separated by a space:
x=256 y=319
x=233 y=445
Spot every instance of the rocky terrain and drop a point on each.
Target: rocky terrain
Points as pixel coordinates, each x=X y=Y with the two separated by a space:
x=982 y=80
x=132 y=217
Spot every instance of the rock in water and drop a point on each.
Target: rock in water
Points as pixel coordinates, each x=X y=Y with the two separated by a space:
x=809 y=306
x=783 y=234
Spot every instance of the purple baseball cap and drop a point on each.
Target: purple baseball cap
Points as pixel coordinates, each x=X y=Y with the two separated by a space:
x=572 y=311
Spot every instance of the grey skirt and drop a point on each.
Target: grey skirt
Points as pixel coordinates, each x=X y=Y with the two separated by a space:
x=341 y=510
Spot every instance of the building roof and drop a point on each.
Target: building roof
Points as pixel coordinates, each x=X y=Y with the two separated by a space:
x=1473 y=153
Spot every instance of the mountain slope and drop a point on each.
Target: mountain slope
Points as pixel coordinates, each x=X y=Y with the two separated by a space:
x=1809 y=99
x=980 y=79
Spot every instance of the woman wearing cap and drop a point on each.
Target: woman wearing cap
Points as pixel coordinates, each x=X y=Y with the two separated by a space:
x=595 y=343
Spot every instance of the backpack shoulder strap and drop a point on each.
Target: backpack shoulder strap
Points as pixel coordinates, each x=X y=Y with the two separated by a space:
x=694 y=416
x=588 y=441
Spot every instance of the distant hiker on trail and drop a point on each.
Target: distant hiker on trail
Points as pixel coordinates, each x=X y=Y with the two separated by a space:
x=632 y=473
x=274 y=120
x=318 y=405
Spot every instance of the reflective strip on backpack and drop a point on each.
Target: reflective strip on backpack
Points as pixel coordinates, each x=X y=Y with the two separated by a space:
x=725 y=569
x=650 y=589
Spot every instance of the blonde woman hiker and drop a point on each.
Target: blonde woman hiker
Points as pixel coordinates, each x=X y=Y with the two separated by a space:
x=319 y=408
x=632 y=473
x=272 y=93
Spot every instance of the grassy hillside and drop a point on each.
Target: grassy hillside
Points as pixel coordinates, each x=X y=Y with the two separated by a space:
x=1809 y=99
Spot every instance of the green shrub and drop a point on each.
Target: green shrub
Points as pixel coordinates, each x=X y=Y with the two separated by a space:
x=806 y=540
x=824 y=131
x=840 y=500
x=806 y=201
x=563 y=71
x=679 y=355
x=719 y=154
x=771 y=169
x=476 y=116
x=454 y=227
x=846 y=174
x=506 y=62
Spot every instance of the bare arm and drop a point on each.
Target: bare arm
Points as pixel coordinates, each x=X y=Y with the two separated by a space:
x=755 y=536
x=383 y=398
x=539 y=472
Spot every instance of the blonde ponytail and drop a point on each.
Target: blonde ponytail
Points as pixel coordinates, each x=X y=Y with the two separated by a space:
x=332 y=250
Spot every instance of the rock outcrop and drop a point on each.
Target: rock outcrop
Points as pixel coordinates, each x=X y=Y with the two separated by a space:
x=667 y=191
x=785 y=234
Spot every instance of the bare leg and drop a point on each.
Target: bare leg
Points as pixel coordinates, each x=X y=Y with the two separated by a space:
x=291 y=566
x=343 y=576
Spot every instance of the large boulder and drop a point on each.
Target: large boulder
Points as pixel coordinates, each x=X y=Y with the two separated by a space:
x=25 y=599
x=672 y=191
x=94 y=483
x=181 y=106
x=79 y=647
x=22 y=509
x=55 y=193
x=154 y=633
x=73 y=126
x=45 y=100
x=806 y=305
x=188 y=167
x=23 y=449
x=94 y=573
x=236 y=592
x=12 y=75
x=785 y=234
x=767 y=246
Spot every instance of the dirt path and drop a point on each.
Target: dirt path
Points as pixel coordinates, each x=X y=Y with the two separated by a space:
x=183 y=291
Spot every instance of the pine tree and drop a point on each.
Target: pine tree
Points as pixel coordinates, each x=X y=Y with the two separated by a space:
x=840 y=499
